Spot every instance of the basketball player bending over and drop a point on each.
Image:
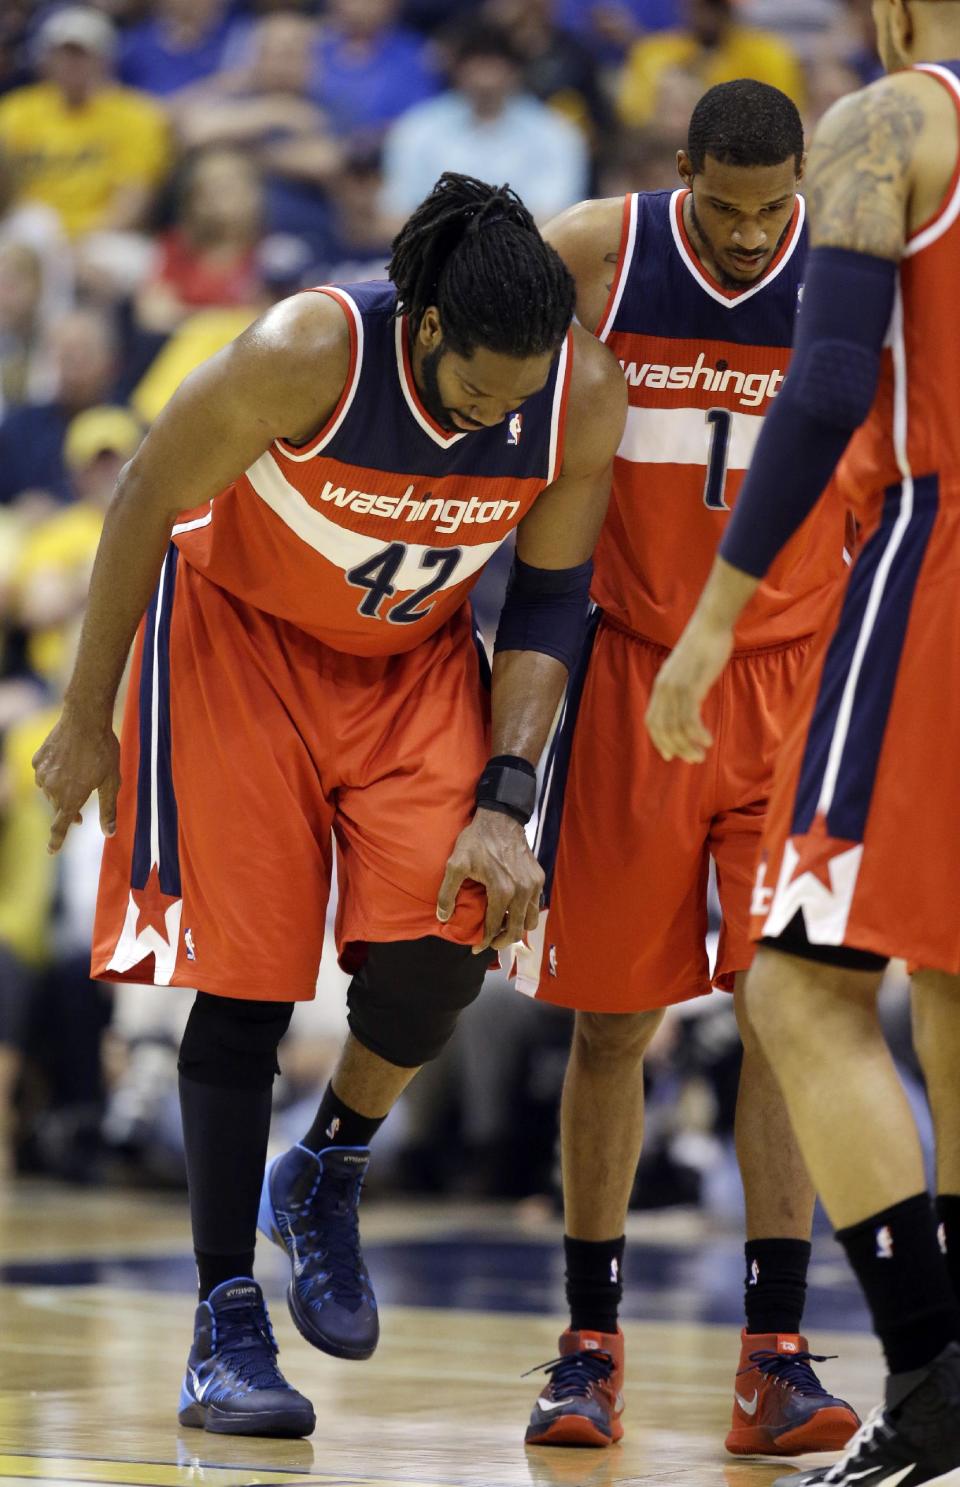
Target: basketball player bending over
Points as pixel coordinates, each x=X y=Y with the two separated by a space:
x=333 y=483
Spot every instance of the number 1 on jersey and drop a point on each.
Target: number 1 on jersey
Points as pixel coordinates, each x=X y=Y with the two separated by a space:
x=719 y=429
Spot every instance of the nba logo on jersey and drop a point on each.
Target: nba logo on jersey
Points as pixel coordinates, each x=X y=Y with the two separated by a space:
x=515 y=428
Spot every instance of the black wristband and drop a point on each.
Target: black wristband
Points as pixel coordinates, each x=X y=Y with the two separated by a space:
x=509 y=785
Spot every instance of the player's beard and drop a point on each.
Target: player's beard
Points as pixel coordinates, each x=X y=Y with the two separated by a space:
x=430 y=392
x=730 y=281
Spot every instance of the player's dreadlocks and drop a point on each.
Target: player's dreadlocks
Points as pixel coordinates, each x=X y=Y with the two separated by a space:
x=475 y=252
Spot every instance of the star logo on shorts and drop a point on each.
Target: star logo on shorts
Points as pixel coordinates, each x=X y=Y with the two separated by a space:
x=152 y=905
x=816 y=850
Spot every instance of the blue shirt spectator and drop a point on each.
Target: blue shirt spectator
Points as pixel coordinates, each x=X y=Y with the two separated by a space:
x=370 y=70
x=184 y=42
x=486 y=127
x=31 y=452
x=266 y=109
x=610 y=27
x=32 y=436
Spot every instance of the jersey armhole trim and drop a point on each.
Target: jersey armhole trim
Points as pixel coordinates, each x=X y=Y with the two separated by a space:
x=558 y=420
x=628 y=237
x=949 y=208
x=323 y=436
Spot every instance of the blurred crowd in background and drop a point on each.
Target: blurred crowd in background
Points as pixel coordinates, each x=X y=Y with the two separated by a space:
x=168 y=169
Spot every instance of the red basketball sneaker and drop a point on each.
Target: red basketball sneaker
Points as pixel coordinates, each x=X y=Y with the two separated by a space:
x=780 y=1407
x=583 y=1402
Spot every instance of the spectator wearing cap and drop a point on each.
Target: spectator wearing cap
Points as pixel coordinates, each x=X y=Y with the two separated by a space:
x=182 y=42
x=52 y=574
x=486 y=126
x=267 y=110
x=84 y=349
x=712 y=48
x=47 y=1005
x=370 y=69
x=92 y=150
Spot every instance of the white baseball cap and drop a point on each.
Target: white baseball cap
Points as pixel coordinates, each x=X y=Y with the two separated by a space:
x=80 y=26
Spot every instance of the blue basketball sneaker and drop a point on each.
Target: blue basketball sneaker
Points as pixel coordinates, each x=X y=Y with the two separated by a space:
x=233 y=1385
x=309 y=1206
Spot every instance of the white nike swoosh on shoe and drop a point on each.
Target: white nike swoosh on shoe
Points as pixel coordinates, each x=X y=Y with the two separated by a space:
x=548 y=1405
x=200 y=1389
x=893 y=1481
x=749 y=1406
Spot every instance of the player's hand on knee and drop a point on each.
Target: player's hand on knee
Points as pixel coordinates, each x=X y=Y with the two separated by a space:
x=76 y=758
x=493 y=851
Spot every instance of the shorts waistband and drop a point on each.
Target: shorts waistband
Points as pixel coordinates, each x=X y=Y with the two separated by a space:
x=777 y=648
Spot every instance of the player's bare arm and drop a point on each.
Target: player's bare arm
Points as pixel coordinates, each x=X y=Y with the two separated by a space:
x=878 y=170
x=281 y=378
x=559 y=533
x=587 y=237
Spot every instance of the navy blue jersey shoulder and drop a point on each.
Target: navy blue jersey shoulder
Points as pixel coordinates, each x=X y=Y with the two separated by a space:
x=381 y=431
x=663 y=297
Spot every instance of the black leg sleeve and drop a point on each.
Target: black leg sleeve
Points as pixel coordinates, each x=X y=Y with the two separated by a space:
x=227 y=1062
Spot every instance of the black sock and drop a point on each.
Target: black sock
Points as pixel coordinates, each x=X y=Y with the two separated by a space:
x=213 y=1270
x=905 y=1279
x=594 y=1282
x=948 y=1213
x=776 y=1286
x=225 y=1135
x=335 y=1124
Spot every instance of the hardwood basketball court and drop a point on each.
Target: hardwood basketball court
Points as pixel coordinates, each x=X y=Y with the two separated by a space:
x=96 y=1308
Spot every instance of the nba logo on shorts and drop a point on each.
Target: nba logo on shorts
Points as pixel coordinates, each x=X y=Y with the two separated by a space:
x=515 y=428
x=552 y=960
x=191 y=947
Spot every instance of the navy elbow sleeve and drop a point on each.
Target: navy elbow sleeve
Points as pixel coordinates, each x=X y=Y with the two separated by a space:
x=545 y=610
x=848 y=301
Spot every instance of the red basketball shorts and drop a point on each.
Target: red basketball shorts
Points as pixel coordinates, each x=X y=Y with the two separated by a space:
x=247 y=744
x=626 y=839
x=862 y=838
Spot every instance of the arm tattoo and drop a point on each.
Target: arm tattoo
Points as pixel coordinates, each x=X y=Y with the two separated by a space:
x=860 y=171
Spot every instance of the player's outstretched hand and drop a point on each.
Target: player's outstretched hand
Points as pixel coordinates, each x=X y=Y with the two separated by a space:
x=493 y=851
x=673 y=716
x=78 y=756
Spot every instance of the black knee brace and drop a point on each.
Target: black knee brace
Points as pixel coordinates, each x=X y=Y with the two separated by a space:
x=404 y=1003
x=233 y=1043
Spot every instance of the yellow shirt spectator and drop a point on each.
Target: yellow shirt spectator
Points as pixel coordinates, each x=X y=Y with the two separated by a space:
x=53 y=573
x=742 y=52
x=76 y=159
x=199 y=336
x=26 y=868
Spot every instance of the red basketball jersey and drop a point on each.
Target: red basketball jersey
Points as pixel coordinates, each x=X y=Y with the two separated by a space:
x=913 y=429
x=703 y=364
x=373 y=533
